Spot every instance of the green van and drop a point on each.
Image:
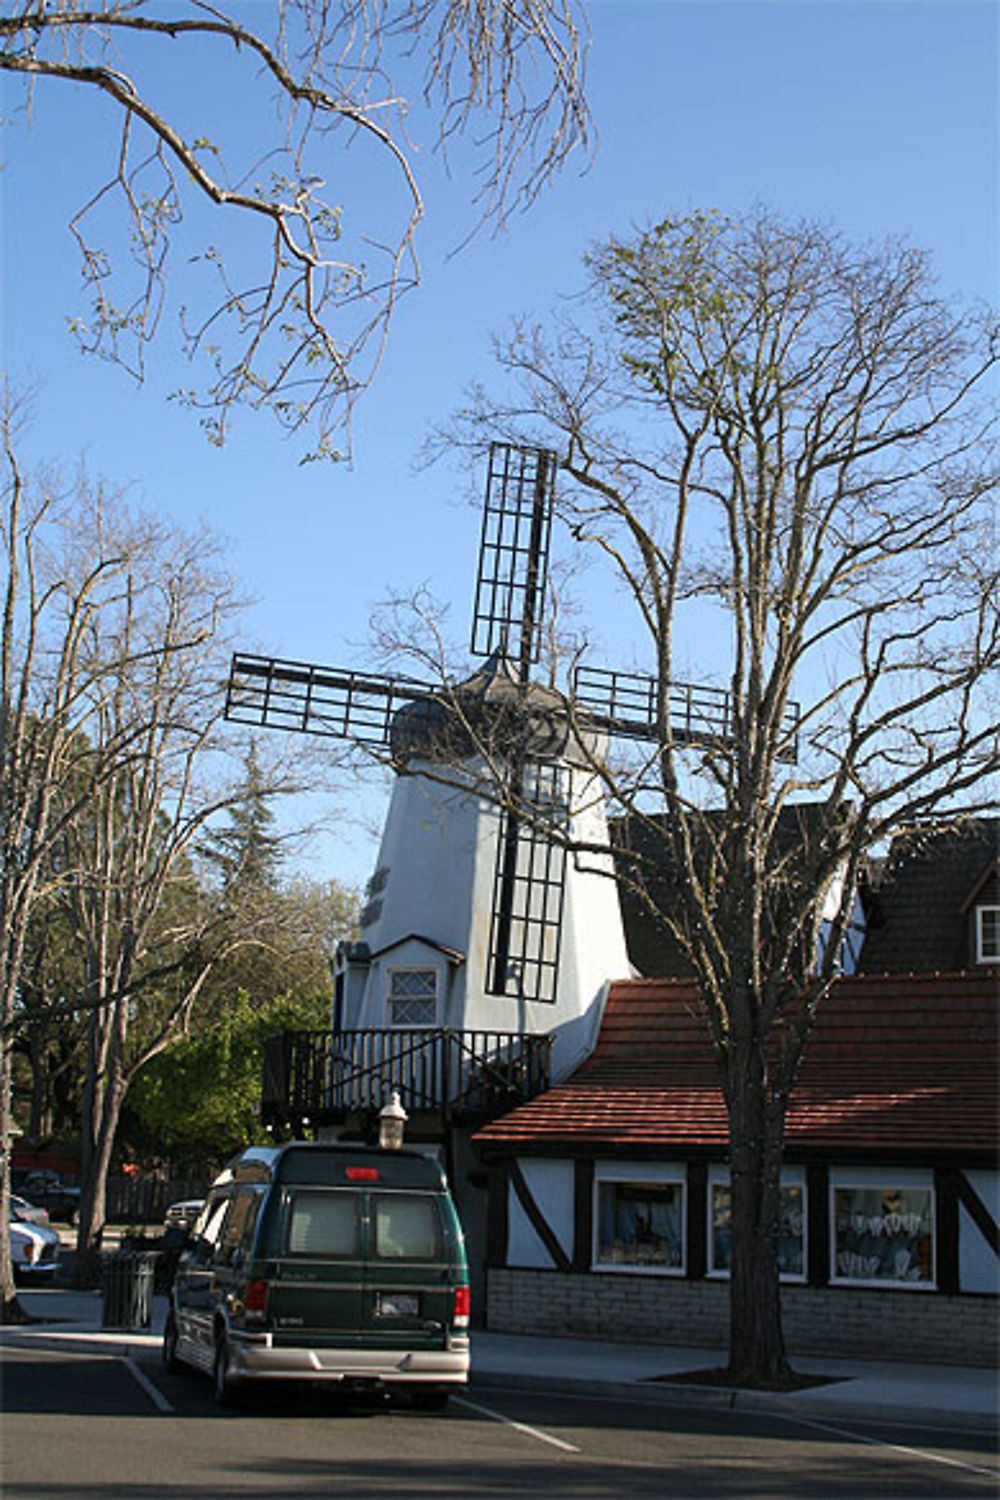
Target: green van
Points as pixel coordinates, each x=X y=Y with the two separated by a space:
x=339 y=1263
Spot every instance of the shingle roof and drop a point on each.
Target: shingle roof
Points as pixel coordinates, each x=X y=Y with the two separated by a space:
x=919 y=918
x=894 y=1064
x=652 y=947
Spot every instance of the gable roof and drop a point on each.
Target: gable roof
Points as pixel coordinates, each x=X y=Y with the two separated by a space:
x=918 y=917
x=360 y=953
x=894 y=1065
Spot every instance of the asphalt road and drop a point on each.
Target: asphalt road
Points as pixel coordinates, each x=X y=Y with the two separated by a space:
x=103 y=1429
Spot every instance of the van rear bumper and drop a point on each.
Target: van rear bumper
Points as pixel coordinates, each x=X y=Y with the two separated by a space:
x=253 y=1360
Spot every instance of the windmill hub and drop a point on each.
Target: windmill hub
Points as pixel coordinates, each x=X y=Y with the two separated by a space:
x=492 y=714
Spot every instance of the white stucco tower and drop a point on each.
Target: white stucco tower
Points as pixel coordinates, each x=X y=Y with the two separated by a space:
x=480 y=917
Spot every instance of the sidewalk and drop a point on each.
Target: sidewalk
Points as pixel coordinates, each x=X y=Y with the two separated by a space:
x=929 y=1395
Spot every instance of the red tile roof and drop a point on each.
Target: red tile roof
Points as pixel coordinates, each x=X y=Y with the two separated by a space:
x=895 y=1063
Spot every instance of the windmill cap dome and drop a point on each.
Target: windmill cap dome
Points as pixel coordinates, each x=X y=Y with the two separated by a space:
x=492 y=712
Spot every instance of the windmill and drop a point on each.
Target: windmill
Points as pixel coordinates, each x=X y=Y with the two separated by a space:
x=526 y=726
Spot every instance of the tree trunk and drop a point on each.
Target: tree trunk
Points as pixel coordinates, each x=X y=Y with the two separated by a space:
x=105 y=1091
x=93 y=1184
x=41 y=1116
x=756 y=1343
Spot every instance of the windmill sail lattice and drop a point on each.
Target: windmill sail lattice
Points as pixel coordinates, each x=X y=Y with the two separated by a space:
x=513 y=554
x=507 y=617
x=628 y=704
x=294 y=695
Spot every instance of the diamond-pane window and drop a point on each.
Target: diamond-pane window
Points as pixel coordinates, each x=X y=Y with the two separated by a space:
x=413 y=997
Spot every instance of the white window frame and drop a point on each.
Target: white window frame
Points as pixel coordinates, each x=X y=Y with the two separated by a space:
x=791 y=1177
x=639 y=1174
x=390 y=973
x=982 y=957
x=882 y=1180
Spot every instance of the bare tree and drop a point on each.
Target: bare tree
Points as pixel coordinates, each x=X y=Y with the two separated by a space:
x=113 y=632
x=764 y=421
x=46 y=705
x=145 y=930
x=295 y=314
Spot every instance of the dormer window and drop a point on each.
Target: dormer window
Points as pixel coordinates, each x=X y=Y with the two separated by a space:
x=987 y=934
x=982 y=913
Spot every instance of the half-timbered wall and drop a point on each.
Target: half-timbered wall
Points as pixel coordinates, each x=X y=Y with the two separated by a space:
x=978 y=1256
x=894 y=1262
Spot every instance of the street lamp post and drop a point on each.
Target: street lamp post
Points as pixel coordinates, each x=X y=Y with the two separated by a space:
x=391 y=1122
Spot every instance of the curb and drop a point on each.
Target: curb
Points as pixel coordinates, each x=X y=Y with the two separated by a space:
x=112 y=1344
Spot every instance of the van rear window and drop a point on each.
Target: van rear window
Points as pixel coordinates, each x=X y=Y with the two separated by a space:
x=406 y=1228
x=324 y=1224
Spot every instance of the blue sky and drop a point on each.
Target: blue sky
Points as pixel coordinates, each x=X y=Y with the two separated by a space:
x=880 y=118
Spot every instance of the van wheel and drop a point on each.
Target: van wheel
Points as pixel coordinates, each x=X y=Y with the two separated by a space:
x=170 y=1360
x=430 y=1398
x=222 y=1388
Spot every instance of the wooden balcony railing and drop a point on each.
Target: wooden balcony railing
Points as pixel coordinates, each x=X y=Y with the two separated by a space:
x=320 y=1076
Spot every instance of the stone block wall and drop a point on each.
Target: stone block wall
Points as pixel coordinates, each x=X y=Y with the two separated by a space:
x=837 y=1321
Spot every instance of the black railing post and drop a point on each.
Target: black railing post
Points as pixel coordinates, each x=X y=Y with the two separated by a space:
x=447 y=1140
x=445 y=1078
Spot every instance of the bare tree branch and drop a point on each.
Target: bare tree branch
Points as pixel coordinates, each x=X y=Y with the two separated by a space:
x=301 y=327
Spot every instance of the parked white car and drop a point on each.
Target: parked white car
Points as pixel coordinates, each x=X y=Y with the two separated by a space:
x=34 y=1249
x=27 y=1213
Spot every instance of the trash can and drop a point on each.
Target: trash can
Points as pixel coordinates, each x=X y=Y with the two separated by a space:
x=127 y=1289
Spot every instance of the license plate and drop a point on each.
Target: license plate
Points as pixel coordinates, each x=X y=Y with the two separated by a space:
x=397 y=1305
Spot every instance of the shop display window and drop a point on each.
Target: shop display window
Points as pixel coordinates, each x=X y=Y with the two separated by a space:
x=640 y=1226
x=883 y=1235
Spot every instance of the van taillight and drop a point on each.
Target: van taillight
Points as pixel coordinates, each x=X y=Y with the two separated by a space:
x=256 y=1297
x=460 y=1312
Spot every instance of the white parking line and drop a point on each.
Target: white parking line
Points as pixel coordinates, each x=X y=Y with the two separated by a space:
x=874 y=1442
x=534 y=1432
x=157 y=1397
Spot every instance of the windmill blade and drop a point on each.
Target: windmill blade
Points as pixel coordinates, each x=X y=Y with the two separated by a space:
x=318 y=700
x=513 y=553
x=626 y=703
x=529 y=885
